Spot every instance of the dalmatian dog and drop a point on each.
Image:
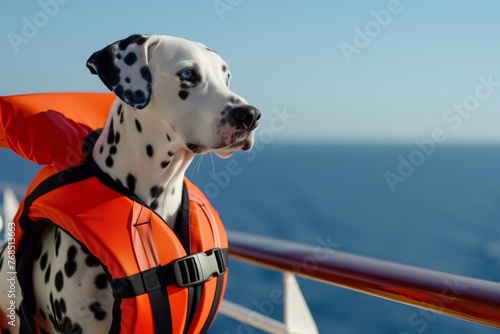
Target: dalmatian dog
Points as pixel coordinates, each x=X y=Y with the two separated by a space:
x=173 y=102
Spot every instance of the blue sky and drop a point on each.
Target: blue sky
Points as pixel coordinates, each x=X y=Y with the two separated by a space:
x=341 y=70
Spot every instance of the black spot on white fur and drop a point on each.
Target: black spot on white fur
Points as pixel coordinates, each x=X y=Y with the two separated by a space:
x=47 y=274
x=149 y=150
x=68 y=326
x=70 y=266
x=131 y=181
x=156 y=191
x=90 y=260
x=138 y=125
x=136 y=96
x=130 y=59
x=57 y=309
x=101 y=281
x=111 y=133
x=62 y=303
x=119 y=110
x=164 y=164
x=109 y=161
x=98 y=311
x=183 y=94
x=133 y=39
x=51 y=299
x=43 y=261
x=146 y=73
x=59 y=281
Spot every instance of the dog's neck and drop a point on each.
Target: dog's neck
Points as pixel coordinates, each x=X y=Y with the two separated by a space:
x=146 y=156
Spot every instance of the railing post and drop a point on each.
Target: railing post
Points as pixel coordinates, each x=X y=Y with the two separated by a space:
x=297 y=316
x=10 y=205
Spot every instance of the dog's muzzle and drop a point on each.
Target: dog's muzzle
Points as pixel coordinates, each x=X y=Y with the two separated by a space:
x=244 y=117
x=236 y=129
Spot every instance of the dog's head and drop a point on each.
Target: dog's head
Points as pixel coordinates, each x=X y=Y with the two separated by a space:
x=186 y=83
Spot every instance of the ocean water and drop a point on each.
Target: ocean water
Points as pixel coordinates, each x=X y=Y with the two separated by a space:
x=440 y=210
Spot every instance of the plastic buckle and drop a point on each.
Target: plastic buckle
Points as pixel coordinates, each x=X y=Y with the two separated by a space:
x=198 y=268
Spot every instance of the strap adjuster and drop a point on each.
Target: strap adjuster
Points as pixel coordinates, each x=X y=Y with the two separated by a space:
x=198 y=268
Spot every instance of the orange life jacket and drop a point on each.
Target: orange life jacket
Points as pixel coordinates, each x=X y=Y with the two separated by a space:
x=163 y=280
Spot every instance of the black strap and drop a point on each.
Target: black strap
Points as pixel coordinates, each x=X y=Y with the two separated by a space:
x=160 y=306
x=207 y=266
x=153 y=283
x=195 y=294
x=183 y=231
x=143 y=282
x=215 y=305
x=181 y=227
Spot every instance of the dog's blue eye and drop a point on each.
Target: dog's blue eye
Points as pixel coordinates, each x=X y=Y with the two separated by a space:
x=186 y=74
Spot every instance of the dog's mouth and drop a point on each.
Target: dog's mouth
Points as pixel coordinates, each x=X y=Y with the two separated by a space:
x=242 y=142
x=195 y=148
x=226 y=151
x=228 y=144
x=234 y=138
x=232 y=134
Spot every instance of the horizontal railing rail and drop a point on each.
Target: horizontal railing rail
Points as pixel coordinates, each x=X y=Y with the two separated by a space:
x=458 y=296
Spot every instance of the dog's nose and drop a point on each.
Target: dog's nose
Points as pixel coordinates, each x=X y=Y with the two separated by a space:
x=246 y=117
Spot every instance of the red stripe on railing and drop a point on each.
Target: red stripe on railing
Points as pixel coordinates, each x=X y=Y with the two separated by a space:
x=462 y=297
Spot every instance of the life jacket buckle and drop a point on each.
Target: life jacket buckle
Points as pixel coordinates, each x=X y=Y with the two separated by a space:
x=200 y=267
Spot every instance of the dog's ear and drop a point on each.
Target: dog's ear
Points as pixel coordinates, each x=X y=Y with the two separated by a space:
x=123 y=68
